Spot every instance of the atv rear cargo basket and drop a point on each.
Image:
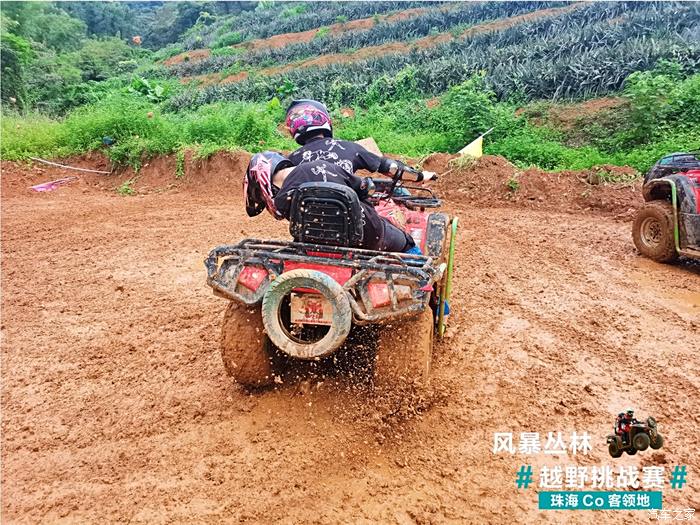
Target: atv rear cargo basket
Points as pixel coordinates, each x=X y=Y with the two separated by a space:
x=225 y=264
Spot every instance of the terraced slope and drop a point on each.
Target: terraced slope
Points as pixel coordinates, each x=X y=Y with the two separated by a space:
x=579 y=50
x=410 y=27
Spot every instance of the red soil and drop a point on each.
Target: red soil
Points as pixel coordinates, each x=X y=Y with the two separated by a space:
x=116 y=407
x=285 y=39
x=484 y=182
x=194 y=55
x=278 y=41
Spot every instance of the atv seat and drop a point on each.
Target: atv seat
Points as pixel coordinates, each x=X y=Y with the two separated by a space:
x=326 y=213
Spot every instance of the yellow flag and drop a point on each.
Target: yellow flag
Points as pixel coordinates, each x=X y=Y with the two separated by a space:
x=474 y=149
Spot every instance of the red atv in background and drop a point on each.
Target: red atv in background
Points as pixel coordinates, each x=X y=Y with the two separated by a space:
x=668 y=225
x=301 y=299
x=641 y=435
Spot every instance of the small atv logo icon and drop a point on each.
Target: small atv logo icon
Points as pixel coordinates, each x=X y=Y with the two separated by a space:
x=633 y=436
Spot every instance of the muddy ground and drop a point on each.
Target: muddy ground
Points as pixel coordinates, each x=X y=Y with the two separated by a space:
x=116 y=407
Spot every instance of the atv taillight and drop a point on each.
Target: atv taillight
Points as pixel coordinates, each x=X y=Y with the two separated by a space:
x=251 y=277
x=379 y=293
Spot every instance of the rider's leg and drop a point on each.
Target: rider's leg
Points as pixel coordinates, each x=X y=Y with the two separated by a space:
x=396 y=240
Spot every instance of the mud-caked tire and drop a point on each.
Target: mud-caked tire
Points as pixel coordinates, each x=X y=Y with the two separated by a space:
x=652 y=231
x=405 y=353
x=641 y=441
x=614 y=451
x=245 y=348
x=657 y=442
x=333 y=293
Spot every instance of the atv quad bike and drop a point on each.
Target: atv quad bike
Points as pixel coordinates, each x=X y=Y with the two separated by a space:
x=300 y=299
x=641 y=436
x=668 y=225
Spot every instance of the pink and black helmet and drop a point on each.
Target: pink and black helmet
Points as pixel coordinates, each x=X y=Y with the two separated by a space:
x=257 y=185
x=307 y=118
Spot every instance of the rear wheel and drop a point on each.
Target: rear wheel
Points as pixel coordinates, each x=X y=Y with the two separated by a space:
x=245 y=348
x=652 y=231
x=405 y=353
x=641 y=441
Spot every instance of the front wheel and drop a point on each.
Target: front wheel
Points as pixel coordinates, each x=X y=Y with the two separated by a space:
x=652 y=231
x=405 y=353
x=614 y=451
x=658 y=442
x=245 y=348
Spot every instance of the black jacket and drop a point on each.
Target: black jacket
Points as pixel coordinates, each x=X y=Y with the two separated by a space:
x=321 y=171
x=348 y=155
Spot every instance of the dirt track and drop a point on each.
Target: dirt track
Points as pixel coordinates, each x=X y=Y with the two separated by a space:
x=116 y=407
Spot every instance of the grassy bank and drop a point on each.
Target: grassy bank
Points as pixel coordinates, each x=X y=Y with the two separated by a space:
x=659 y=116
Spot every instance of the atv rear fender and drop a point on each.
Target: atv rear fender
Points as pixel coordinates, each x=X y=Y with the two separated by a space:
x=380 y=286
x=684 y=196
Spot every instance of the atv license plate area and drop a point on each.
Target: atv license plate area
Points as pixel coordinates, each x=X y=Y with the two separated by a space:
x=311 y=308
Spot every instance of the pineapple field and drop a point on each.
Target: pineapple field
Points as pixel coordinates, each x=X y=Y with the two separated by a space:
x=127 y=131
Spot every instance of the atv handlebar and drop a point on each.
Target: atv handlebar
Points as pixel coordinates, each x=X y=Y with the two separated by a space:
x=417 y=176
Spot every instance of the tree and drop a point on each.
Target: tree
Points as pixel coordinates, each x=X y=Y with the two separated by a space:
x=102 y=59
x=56 y=30
x=15 y=53
x=104 y=18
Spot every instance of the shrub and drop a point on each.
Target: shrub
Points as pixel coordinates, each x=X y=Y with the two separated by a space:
x=228 y=39
x=469 y=109
x=321 y=32
x=31 y=135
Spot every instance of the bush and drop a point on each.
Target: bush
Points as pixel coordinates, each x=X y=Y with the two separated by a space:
x=31 y=135
x=532 y=147
x=135 y=125
x=469 y=109
x=228 y=39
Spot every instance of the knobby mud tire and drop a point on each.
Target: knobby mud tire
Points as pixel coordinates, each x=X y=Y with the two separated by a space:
x=245 y=348
x=657 y=442
x=652 y=232
x=614 y=451
x=641 y=442
x=405 y=353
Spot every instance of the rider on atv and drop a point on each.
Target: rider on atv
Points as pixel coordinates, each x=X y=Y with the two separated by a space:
x=272 y=179
x=624 y=423
x=310 y=125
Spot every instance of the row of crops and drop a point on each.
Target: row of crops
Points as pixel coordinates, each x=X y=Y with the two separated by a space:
x=286 y=17
x=582 y=53
x=453 y=18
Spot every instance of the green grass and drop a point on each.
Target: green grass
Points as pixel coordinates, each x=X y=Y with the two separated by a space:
x=126 y=188
x=180 y=164
x=513 y=184
x=140 y=129
x=31 y=135
x=137 y=136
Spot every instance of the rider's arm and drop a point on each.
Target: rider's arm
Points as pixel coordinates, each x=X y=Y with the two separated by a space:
x=363 y=186
x=395 y=169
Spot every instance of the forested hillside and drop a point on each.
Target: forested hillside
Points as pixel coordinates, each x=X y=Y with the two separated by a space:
x=160 y=77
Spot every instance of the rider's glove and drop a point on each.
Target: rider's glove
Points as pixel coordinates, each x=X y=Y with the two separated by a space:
x=429 y=175
x=367 y=188
x=411 y=175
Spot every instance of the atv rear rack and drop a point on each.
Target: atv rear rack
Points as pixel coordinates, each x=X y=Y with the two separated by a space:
x=363 y=267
